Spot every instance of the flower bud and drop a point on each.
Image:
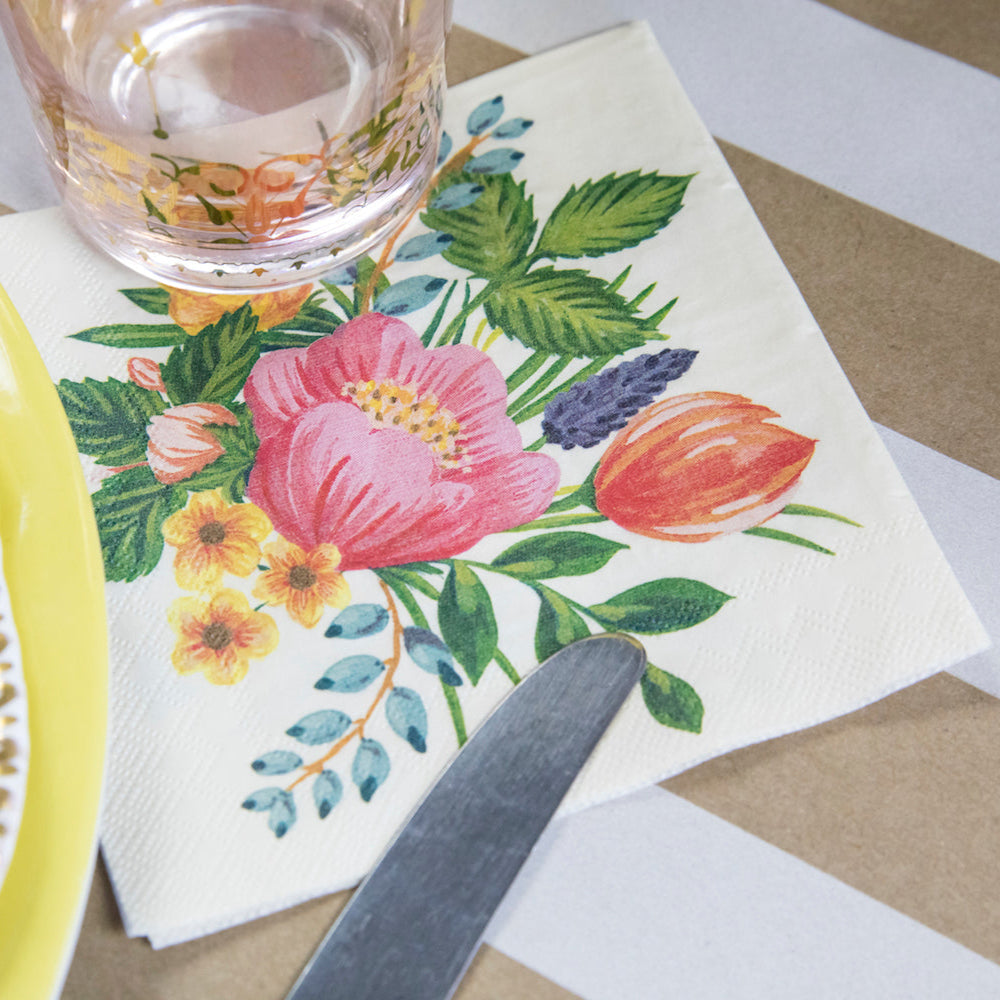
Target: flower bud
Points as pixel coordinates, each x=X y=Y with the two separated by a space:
x=697 y=466
x=145 y=372
x=179 y=445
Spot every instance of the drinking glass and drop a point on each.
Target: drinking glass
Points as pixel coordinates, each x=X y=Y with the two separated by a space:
x=236 y=144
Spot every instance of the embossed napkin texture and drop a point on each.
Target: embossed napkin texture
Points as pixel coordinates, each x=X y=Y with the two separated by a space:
x=580 y=392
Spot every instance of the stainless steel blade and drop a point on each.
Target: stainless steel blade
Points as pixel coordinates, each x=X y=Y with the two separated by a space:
x=410 y=930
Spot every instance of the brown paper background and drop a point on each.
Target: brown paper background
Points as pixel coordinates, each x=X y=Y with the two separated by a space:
x=900 y=799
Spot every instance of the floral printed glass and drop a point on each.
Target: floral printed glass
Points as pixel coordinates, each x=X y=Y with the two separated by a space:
x=244 y=144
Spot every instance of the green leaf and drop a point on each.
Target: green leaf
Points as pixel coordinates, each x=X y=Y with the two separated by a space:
x=761 y=531
x=493 y=234
x=566 y=312
x=152 y=300
x=559 y=553
x=611 y=214
x=671 y=701
x=130 y=508
x=468 y=625
x=311 y=318
x=365 y=269
x=109 y=418
x=134 y=335
x=558 y=624
x=229 y=472
x=802 y=509
x=213 y=365
x=666 y=605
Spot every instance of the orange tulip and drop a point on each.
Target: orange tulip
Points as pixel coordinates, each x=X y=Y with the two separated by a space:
x=145 y=372
x=697 y=466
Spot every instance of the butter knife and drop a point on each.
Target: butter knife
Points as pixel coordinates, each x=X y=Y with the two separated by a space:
x=410 y=930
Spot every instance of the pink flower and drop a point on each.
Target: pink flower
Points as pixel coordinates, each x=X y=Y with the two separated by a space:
x=389 y=450
x=179 y=446
x=145 y=372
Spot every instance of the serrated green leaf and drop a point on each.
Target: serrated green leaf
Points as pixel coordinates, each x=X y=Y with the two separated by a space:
x=493 y=234
x=566 y=312
x=130 y=508
x=557 y=553
x=671 y=701
x=134 y=335
x=666 y=605
x=109 y=418
x=558 y=624
x=152 y=300
x=611 y=214
x=468 y=625
x=229 y=472
x=365 y=269
x=212 y=366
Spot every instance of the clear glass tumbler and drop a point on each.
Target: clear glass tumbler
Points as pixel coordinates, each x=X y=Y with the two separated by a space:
x=236 y=144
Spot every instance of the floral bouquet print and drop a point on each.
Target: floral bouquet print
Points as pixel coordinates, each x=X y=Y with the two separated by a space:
x=576 y=392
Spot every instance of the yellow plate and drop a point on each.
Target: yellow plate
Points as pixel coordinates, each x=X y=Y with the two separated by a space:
x=53 y=568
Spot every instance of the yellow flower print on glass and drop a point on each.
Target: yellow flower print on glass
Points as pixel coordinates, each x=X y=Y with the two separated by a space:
x=213 y=537
x=304 y=582
x=220 y=636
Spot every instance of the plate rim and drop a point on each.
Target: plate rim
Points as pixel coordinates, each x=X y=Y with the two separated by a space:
x=54 y=571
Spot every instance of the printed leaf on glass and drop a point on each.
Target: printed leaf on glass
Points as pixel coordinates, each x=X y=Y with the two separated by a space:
x=567 y=312
x=370 y=767
x=130 y=508
x=213 y=365
x=557 y=553
x=468 y=625
x=611 y=214
x=558 y=624
x=491 y=236
x=671 y=701
x=405 y=713
x=109 y=418
x=666 y=605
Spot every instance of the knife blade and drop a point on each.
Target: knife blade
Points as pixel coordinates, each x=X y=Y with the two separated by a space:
x=411 y=929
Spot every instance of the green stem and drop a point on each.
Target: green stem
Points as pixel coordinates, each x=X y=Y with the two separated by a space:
x=455 y=709
x=406 y=598
x=539 y=385
x=526 y=370
x=507 y=667
x=795 y=508
x=454 y=330
x=559 y=521
x=784 y=536
x=438 y=316
x=539 y=405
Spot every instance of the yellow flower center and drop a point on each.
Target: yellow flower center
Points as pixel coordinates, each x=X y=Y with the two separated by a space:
x=212 y=533
x=216 y=635
x=400 y=406
x=301 y=578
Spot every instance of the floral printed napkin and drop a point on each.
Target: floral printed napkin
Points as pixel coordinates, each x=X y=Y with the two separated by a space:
x=578 y=392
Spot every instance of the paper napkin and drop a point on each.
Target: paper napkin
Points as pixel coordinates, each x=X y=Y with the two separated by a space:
x=580 y=392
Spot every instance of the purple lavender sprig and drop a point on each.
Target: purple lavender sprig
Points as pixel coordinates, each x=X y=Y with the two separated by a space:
x=588 y=412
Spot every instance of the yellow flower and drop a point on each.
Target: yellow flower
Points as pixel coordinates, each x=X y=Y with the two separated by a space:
x=220 y=636
x=213 y=537
x=193 y=311
x=303 y=581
